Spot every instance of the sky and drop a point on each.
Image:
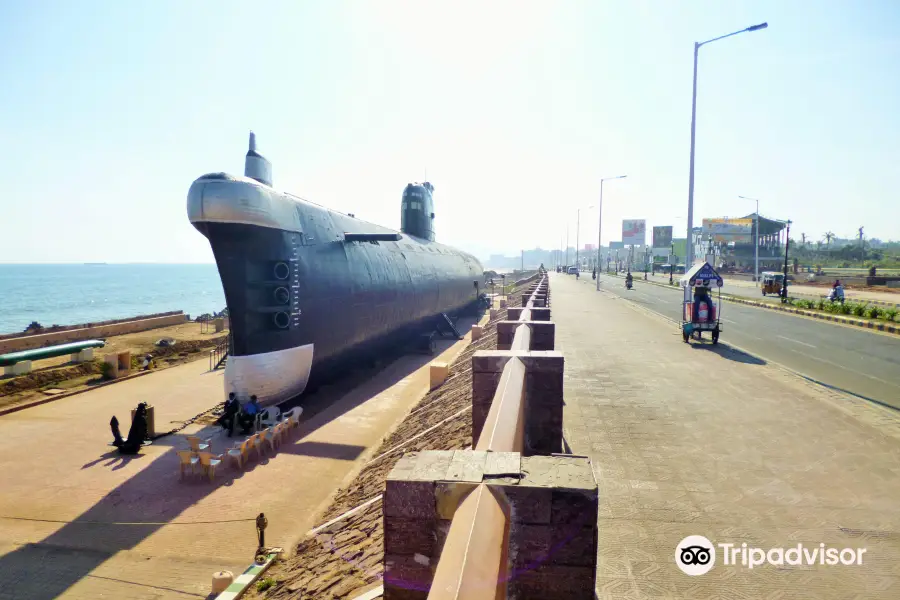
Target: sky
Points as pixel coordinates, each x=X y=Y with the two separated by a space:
x=516 y=110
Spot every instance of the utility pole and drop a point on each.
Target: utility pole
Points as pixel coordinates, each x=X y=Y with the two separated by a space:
x=567 y=247
x=787 y=245
x=523 y=260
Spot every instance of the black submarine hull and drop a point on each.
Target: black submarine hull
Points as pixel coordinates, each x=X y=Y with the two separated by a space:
x=306 y=299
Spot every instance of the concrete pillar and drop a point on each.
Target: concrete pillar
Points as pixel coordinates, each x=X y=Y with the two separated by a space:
x=438 y=372
x=543 y=334
x=537 y=313
x=477 y=332
x=23 y=367
x=543 y=395
x=86 y=355
x=553 y=508
x=410 y=523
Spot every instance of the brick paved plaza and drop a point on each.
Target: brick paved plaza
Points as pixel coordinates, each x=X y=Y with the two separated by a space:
x=58 y=468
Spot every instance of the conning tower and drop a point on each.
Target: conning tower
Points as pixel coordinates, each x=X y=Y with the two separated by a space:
x=417 y=211
x=256 y=166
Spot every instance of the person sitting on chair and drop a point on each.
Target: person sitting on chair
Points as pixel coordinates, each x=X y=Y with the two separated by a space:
x=229 y=416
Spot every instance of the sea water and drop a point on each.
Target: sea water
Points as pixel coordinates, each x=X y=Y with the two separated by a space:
x=68 y=294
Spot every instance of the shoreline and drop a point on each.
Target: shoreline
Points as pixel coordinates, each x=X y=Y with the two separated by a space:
x=57 y=377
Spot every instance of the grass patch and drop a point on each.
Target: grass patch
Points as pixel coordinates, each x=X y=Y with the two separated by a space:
x=264 y=584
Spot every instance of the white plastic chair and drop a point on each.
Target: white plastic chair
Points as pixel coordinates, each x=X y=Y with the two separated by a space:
x=199 y=444
x=187 y=458
x=292 y=417
x=270 y=416
x=267 y=436
x=209 y=462
x=240 y=452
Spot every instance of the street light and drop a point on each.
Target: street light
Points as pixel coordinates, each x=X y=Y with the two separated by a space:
x=756 y=252
x=689 y=259
x=787 y=245
x=672 y=262
x=578 y=231
x=600 y=219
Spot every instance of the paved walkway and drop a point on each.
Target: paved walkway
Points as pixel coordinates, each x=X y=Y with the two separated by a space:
x=68 y=505
x=696 y=440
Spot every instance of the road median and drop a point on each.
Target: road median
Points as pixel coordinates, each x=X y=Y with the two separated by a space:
x=884 y=327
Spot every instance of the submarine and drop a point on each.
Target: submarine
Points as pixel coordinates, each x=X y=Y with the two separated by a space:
x=310 y=290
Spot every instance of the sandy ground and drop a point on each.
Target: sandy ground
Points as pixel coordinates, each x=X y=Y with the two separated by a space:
x=138 y=343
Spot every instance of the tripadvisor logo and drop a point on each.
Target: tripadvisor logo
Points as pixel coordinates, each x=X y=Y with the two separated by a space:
x=696 y=555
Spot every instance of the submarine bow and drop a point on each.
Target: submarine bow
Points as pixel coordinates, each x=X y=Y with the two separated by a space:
x=310 y=289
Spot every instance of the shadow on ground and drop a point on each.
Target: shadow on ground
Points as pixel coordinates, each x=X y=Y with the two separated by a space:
x=727 y=352
x=155 y=496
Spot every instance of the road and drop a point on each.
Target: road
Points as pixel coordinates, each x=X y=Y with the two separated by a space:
x=852 y=360
x=748 y=289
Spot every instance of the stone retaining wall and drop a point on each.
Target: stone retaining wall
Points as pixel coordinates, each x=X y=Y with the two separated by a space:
x=41 y=340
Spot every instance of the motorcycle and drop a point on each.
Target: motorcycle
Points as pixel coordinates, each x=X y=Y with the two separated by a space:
x=629 y=284
x=836 y=294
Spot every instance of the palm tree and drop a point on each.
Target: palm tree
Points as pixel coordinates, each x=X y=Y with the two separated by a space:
x=828 y=237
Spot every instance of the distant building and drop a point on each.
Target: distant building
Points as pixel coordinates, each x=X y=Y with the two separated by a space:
x=732 y=242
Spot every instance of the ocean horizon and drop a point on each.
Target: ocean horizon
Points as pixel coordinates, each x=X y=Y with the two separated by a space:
x=73 y=293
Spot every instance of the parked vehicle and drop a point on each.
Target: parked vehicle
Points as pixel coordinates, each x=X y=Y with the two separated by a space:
x=772 y=282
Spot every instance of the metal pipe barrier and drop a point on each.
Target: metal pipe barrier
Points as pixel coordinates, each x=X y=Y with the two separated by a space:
x=474 y=561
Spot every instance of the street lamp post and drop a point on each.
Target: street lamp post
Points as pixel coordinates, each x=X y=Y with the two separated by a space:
x=672 y=262
x=787 y=245
x=600 y=221
x=689 y=259
x=756 y=250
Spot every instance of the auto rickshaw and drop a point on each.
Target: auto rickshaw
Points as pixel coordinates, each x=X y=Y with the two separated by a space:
x=699 y=311
x=772 y=282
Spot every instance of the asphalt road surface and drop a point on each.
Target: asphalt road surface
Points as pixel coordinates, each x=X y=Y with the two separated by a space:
x=858 y=361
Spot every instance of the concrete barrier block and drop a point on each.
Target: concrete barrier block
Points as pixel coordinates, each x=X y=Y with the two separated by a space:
x=86 y=355
x=540 y=313
x=503 y=303
x=553 y=509
x=544 y=371
x=514 y=313
x=493 y=314
x=477 y=332
x=543 y=334
x=20 y=368
x=438 y=372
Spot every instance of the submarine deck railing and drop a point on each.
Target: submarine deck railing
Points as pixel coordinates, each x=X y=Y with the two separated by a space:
x=474 y=561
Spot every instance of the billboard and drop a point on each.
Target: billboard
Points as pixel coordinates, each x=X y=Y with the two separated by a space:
x=616 y=245
x=634 y=232
x=662 y=236
x=728 y=230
